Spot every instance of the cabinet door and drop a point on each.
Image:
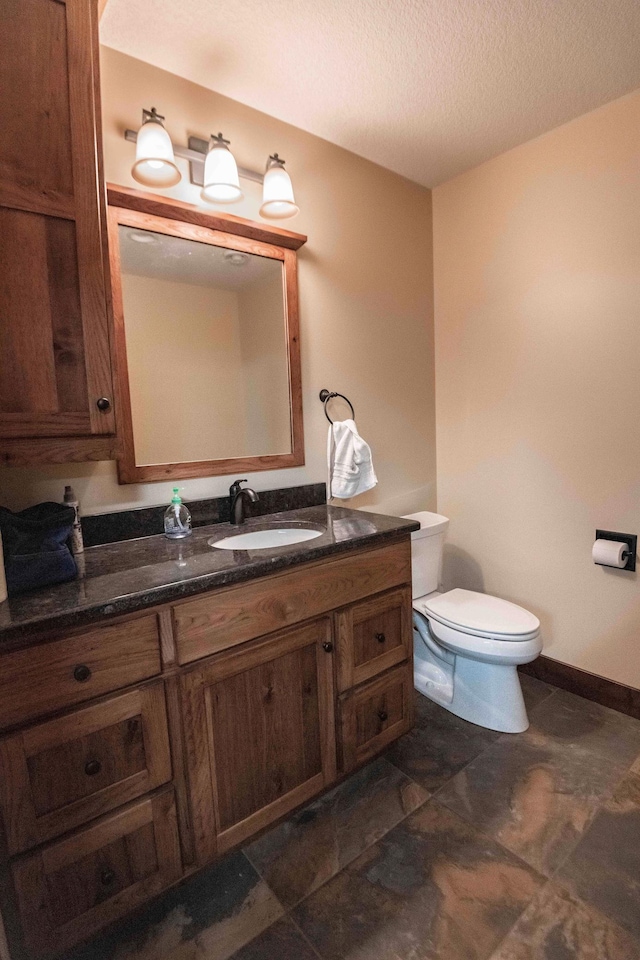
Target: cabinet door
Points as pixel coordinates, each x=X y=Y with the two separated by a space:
x=54 y=334
x=260 y=734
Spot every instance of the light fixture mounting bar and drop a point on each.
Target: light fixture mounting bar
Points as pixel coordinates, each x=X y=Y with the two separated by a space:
x=196 y=153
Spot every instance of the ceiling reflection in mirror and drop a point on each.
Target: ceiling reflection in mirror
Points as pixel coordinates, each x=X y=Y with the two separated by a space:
x=206 y=348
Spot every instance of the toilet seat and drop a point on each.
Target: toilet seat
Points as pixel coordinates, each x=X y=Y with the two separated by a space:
x=479 y=615
x=500 y=650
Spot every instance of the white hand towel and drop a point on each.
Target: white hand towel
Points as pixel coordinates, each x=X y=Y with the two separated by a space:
x=349 y=461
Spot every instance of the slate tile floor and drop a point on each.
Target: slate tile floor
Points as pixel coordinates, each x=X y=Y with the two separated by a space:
x=459 y=844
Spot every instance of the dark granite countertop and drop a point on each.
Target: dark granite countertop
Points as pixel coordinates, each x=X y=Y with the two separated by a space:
x=134 y=574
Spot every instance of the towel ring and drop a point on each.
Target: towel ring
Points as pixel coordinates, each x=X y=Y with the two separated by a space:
x=326 y=395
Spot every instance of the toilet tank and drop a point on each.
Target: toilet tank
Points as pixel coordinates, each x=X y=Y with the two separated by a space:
x=426 y=552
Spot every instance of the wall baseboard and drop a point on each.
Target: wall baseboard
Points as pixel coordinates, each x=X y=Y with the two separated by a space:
x=609 y=693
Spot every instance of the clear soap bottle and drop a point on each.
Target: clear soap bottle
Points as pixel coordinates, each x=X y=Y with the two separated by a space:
x=177 y=519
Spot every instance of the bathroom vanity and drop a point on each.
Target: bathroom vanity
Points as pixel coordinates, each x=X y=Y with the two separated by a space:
x=180 y=699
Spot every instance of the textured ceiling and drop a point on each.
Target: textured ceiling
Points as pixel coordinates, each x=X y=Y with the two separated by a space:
x=427 y=88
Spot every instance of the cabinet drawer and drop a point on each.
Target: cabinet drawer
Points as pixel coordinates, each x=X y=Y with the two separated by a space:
x=69 y=890
x=63 y=773
x=375 y=714
x=236 y=614
x=56 y=675
x=373 y=635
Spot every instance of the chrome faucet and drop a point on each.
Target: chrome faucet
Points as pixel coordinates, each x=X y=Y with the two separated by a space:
x=239 y=495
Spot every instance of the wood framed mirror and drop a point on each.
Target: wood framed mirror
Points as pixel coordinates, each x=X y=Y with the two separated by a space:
x=207 y=345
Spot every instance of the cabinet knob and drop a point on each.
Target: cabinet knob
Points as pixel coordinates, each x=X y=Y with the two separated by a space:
x=103 y=404
x=327 y=646
x=380 y=637
x=81 y=673
x=107 y=877
x=92 y=768
x=383 y=715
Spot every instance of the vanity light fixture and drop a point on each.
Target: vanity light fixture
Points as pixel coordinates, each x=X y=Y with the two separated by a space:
x=155 y=164
x=278 y=202
x=212 y=167
x=221 y=183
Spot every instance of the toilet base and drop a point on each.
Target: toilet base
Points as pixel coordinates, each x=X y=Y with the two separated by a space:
x=486 y=694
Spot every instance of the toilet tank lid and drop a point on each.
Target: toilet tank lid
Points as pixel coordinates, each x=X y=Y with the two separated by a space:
x=430 y=524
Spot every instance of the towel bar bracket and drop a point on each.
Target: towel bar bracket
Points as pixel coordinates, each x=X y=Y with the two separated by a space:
x=327 y=395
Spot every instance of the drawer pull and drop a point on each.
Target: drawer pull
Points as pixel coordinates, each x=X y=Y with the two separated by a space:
x=81 y=673
x=327 y=646
x=92 y=768
x=107 y=877
x=383 y=715
x=380 y=637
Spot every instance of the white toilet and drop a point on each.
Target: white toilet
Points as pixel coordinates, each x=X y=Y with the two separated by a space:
x=467 y=645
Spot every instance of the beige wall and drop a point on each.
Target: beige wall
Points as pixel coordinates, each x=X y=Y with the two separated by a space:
x=365 y=294
x=537 y=301
x=186 y=371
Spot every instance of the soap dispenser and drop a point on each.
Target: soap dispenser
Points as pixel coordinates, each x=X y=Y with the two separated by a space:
x=177 y=519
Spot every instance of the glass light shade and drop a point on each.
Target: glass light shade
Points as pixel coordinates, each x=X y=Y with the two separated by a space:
x=155 y=164
x=278 y=202
x=221 y=183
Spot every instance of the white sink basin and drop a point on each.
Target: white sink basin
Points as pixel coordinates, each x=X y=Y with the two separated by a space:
x=263 y=539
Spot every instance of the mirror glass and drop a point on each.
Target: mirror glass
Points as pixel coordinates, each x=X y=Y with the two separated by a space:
x=206 y=347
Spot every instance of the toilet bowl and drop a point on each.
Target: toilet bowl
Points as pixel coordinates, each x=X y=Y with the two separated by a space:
x=467 y=645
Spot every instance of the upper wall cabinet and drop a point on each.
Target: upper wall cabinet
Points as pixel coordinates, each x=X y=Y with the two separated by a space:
x=56 y=393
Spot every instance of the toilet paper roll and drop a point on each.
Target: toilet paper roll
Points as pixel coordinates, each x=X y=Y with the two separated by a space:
x=609 y=553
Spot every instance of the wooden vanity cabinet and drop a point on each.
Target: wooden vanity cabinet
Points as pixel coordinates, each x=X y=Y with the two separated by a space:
x=56 y=390
x=135 y=752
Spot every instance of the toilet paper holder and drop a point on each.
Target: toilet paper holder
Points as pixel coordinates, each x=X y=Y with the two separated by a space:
x=629 y=538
